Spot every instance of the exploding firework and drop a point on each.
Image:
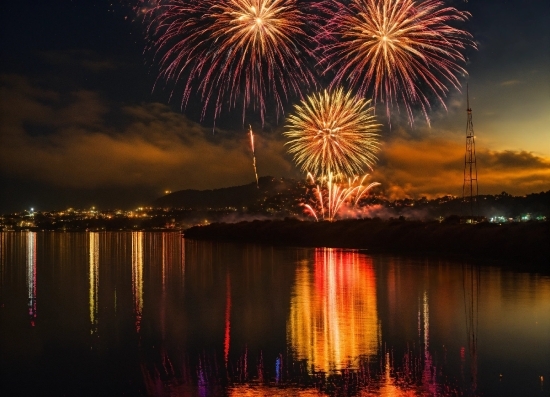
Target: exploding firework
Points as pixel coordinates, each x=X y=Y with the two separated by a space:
x=232 y=52
x=330 y=195
x=403 y=51
x=251 y=134
x=333 y=133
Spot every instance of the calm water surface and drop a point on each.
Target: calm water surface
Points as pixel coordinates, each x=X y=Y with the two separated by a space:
x=107 y=314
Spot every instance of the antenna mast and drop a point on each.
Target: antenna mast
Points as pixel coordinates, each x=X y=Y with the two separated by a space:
x=469 y=188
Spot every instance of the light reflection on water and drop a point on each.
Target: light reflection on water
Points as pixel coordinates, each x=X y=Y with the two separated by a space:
x=31 y=275
x=94 y=280
x=171 y=317
x=137 y=276
x=333 y=315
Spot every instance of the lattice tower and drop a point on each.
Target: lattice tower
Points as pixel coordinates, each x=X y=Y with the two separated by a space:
x=469 y=188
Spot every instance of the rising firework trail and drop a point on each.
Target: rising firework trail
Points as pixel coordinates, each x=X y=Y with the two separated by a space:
x=253 y=154
x=333 y=132
x=400 y=52
x=232 y=52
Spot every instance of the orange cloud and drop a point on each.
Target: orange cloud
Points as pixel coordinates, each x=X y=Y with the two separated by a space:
x=80 y=140
x=79 y=58
x=434 y=166
x=69 y=142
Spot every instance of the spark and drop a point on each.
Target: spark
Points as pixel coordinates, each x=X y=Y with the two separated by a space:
x=400 y=51
x=331 y=195
x=253 y=154
x=333 y=132
x=233 y=52
x=312 y=211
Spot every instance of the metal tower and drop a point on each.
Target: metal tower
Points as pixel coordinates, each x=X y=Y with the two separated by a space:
x=469 y=188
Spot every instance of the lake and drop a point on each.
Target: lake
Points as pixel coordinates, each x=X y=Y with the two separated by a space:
x=144 y=313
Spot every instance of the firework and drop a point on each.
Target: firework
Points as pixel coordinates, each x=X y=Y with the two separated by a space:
x=232 y=52
x=333 y=132
x=403 y=51
x=331 y=195
x=253 y=154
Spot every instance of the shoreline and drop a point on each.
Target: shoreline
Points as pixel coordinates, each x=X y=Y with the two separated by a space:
x=522 y=246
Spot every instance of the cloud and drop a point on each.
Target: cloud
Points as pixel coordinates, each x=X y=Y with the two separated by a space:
x=80 y=140
x=80 y=59
x=508 y=83
x=434 y=167
x=70 y=140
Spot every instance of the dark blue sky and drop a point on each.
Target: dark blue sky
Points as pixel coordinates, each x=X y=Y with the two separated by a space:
x=81 y=124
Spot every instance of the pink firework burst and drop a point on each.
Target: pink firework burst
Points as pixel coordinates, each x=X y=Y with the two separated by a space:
x=233 y=52
x=401 y=52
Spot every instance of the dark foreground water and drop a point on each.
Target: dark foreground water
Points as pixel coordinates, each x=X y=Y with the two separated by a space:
x=107 y=314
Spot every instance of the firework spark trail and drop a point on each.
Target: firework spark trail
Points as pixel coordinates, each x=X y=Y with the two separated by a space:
x=333 y=132
x=337 y=194
x=233 y=52
x=312 y=211
x=362 y=189
x=400 y=50
x=319 y=197
x=253 y=154
x=336 y=197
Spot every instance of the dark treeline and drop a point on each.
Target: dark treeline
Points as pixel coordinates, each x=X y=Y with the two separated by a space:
x=526 y=244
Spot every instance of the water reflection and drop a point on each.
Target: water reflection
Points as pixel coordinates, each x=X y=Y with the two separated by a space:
x=229 y=320
x=166 y=257
x=93 y=249
x=333 y=316
x=388 y=384
x=471 y=276
x=137 y=276
x=3 y=253
x=333 y=330
x=31 y=276
x=227 y=332
x=429 y=373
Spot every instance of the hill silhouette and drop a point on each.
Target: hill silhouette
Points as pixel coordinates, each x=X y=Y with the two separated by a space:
x=234 y=196
x=283 y=197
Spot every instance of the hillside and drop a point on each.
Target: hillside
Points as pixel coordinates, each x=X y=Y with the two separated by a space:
x=234 y=196
x=280 y=198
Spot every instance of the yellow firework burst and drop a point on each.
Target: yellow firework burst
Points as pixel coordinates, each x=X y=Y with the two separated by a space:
x=333 y=132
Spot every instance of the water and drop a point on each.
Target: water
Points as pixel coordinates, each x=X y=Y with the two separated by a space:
x=106 y=314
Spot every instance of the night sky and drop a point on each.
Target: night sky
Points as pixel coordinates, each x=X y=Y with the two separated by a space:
x=83 y=124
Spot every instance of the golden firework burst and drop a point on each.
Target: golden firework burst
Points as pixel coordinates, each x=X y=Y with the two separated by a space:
x=333 y=132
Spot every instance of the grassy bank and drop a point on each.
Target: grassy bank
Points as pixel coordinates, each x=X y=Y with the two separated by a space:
x=525 y=243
